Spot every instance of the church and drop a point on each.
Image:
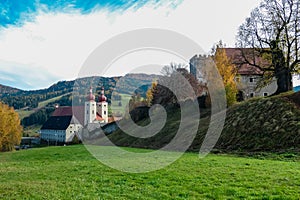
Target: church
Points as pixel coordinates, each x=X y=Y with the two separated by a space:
x=66 y=121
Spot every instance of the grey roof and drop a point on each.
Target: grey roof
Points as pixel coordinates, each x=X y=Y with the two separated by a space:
x=57 y=123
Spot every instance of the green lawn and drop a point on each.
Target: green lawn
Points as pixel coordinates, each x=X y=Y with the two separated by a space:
x=72 y=173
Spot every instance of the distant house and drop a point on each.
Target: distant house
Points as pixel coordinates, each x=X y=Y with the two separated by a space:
x=66 y=121
x=247 y=75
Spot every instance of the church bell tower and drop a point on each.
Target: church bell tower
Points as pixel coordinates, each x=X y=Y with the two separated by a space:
x=102 y=106
x=90 y=110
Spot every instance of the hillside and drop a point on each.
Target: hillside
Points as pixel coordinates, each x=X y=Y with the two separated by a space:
x=21 y=99
x=6 y=90
x=259 y=125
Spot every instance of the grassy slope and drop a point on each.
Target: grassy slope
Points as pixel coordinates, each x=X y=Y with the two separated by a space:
x=44 y=103
x=265 y=124
x=26 y=113
x=72 y=173
x=261 y=124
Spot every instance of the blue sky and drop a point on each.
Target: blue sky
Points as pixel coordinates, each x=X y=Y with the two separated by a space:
x=17 y=12
x=24 y=65
x=44 y=41
x=15 y=15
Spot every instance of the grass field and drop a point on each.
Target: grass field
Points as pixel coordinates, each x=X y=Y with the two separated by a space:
x=72 y=173
x=26 y=113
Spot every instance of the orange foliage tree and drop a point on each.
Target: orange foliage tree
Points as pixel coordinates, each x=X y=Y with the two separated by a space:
x=10 y=128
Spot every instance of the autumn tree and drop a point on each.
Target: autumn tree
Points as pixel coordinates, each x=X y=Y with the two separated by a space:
x=149 y=93
x=273 y=32
x=10 y=128
x=227 y=71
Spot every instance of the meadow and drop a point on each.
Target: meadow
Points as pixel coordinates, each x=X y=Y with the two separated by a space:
x=71 y=172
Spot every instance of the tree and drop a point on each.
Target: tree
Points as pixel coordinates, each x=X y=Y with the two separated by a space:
x=272 y=32
x=149 y=93
x=136 y=101
x=227 y=71
x=173 y=75
x=10 y=128
x=168 y=70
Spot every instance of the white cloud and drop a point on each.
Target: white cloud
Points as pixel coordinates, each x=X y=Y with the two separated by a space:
x=60 y=43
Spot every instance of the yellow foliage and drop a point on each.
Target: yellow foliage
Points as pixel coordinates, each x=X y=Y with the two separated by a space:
x=149 y=94
x=228 y=72
x=10 y=128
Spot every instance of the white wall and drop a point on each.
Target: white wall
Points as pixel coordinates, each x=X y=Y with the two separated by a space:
x=249 y=88
x=53 y=135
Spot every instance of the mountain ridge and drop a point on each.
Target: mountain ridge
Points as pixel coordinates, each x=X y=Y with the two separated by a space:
x=19 y=99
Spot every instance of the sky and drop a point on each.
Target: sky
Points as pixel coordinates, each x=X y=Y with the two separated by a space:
x=44 y=41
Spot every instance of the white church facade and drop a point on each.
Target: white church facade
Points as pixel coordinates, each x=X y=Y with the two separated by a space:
x=66 y=121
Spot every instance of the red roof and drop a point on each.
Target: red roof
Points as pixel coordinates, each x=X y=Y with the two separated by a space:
x=76 y=111
x=99 y=117
x=63 y=111
x=235 y=54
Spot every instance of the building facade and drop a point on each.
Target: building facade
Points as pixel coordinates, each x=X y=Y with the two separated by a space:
x=66 y=121
x=247 y=76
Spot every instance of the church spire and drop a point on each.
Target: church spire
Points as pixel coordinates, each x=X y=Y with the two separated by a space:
x=102 y=97
x=90 y=96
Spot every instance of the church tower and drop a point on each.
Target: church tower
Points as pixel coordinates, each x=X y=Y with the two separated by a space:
x=102 y=106
x=90 y=110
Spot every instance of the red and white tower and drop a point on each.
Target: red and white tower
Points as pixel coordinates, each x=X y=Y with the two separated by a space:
x=102 y=106
x=90 y=109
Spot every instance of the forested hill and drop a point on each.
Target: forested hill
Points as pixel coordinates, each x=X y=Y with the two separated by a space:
x=6 y=90
x=20 y=99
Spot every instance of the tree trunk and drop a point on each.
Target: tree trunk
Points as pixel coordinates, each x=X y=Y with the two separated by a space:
x=284 y=81
x=282 y=72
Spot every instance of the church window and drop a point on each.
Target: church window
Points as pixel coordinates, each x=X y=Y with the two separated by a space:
x=265 y=94
x=251 y=94
x=251 y=80
x=104 y=112
x=93 y=112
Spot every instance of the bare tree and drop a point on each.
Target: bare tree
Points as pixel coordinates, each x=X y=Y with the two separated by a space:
x=167 y=70
x=272 y=32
